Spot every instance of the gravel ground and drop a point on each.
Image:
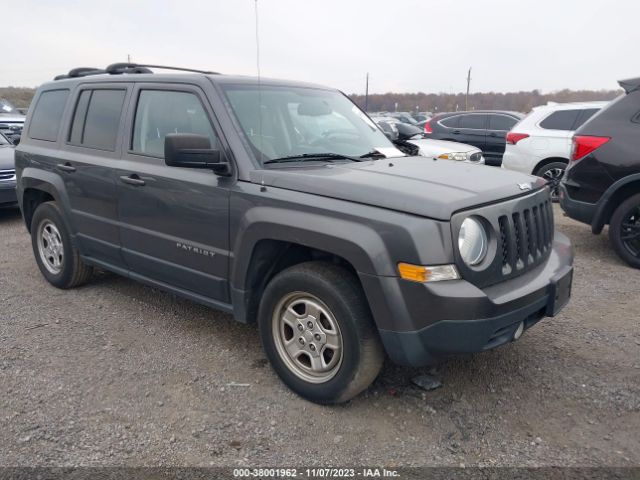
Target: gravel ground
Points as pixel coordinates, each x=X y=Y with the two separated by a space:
x=116 y=373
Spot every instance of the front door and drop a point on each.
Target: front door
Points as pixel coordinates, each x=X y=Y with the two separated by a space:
x=174 y=222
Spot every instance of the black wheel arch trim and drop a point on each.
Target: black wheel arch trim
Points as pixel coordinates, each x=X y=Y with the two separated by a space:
x=602 y=212
x=50 y=183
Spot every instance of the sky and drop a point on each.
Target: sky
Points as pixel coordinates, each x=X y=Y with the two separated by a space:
x=405 y=45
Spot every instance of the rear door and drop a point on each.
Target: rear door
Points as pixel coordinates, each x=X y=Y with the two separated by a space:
x=472 y=129
x=174 y=222
x=499 y=126
x=87 y=163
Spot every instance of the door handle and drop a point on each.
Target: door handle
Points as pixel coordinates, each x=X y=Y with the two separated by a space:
x=493 y=134
x=456 y=132
x=134 y=180
x=66 y=167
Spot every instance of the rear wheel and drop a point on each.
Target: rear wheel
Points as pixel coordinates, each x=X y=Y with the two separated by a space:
x=552 y=173
x=624 y=230
x=318 y=334
x=56 y=256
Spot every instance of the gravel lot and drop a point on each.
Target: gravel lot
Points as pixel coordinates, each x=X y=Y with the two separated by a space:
x=116 y=373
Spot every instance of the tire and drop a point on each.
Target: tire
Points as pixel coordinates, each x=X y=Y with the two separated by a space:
x=553 y=173
x=334 y=297
x=624 y=230
x=56 y=255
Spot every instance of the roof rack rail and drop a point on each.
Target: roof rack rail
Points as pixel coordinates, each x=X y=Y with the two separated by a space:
x=124 y=68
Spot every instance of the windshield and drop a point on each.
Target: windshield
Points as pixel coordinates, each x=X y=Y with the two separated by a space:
x=280 y=122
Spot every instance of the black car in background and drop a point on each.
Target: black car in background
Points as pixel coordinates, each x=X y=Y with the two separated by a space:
x=602 y=182
x=485 y=129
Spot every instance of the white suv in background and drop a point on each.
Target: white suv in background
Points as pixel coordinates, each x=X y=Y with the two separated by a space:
x=540 y=144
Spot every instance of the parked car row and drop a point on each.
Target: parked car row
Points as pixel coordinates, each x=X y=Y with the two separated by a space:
x=11 y=121
x=7 y=173
x=486 y=130
x=410 y=140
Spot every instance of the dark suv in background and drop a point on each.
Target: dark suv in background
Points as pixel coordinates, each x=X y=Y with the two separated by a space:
x=485 y=129
x=601 y=185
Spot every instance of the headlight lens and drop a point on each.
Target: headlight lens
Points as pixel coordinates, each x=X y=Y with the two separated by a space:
x=472 y=241
x=457 y=156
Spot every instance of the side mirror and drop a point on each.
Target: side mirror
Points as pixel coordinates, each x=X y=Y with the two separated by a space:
x=15 y=139
x=188 y=150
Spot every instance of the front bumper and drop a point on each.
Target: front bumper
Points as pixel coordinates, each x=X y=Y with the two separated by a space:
x=8 y=194
x=419 y=324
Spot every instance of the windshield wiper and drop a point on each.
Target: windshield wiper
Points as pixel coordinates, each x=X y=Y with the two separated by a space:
x=306 y=157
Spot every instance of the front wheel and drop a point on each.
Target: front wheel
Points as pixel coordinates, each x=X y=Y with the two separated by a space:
x=553 y=173
x=317 y=331
x=624 y=231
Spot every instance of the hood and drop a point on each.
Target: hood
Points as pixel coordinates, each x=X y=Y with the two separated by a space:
x=417 y=185
x=432 y=147
x=7 y=161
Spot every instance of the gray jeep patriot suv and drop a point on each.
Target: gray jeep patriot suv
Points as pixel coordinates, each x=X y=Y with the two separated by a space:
x=283 y=204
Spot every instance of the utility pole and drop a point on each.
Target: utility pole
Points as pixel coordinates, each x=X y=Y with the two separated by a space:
x=466 y=98
x=128 y=58
x=366 y=94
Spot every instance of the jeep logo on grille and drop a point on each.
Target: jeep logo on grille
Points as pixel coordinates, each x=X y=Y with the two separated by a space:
x=524 y=186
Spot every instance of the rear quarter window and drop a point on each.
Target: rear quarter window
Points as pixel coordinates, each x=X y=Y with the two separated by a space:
x=47 y=115
x=560 y=120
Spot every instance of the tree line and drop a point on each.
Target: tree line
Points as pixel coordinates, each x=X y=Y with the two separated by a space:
x=423 y=102
x=446 y=102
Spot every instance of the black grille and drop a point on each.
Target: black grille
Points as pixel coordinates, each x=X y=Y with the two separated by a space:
x=526 y=237
x=521 y=236
x=7 y=175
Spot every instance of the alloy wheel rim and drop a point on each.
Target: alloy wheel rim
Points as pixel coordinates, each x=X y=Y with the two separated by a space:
x=50 y=247
x=553 y=176
x=630 y=231
x=307 y=337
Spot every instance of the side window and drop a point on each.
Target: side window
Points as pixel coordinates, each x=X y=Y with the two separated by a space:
x=161 y=112
x=585 y=115
x=451 y=122
x=46 y=118
x=501 y=122
x=475 y=121
x=560 y=120
x=97 y=118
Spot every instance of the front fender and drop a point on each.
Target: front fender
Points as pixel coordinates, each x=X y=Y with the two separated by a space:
x=357 y=243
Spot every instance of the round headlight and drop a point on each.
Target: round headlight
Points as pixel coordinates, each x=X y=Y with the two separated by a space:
x=472 y=242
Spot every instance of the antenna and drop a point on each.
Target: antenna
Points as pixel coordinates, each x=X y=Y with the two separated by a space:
x=257 y=40
x=259 y=81
x=366 y=95
x=466 y=98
